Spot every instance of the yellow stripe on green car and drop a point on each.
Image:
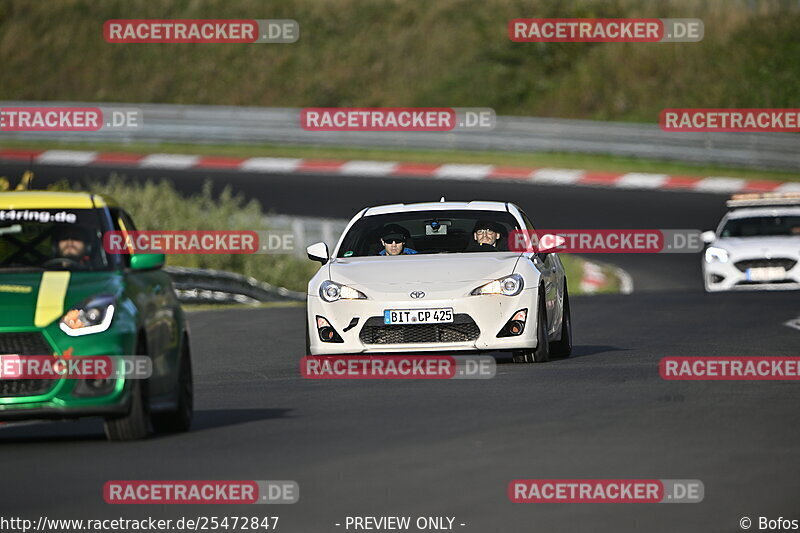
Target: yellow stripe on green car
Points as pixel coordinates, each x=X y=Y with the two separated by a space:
x=50 y=302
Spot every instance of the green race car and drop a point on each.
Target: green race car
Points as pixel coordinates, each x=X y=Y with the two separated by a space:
x=63 y=295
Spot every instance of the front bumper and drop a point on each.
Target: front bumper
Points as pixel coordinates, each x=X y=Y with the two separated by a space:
x=62 y=398
x=478 y=320
x=53 y=411
x=730 y=277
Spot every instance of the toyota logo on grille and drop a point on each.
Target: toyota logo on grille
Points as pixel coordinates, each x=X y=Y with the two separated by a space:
x=417 y=295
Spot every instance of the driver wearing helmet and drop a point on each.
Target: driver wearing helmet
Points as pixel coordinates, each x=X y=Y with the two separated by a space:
x=486 y=235
x=71 y=245
x=393 y=239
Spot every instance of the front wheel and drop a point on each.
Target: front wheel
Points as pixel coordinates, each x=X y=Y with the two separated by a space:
x=134 y=425
x=542 y=352
x=179 y=419
x=308 y=340
x=563 y=347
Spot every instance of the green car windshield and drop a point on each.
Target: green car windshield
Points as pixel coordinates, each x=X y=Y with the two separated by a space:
x=51 y=239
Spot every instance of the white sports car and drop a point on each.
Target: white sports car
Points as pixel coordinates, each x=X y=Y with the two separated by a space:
x=756 y=246
x=437 y=277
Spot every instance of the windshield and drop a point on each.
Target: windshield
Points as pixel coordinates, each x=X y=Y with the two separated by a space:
x=766 y=226
x=429 y=232
x=51 y=239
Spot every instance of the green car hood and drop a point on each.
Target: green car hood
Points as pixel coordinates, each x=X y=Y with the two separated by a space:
x=37 y=299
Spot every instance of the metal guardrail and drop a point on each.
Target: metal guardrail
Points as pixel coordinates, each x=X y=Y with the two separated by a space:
x=206 y=286
x=201 y=286
x=307 y=230
x=257 y=125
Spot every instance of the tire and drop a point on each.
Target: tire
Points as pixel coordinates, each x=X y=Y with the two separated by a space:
x=179 y=420
x=134 y=425
x=563 y=348
x=542 y=352
x=308 y=340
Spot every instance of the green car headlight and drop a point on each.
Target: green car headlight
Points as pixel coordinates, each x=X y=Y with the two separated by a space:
x=93 y=315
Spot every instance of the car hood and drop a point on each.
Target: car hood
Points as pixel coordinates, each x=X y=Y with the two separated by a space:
x=23 y=294
x=761 y=246
x=422 y=269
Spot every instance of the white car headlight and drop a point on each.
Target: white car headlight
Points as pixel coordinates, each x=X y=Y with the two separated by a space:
x=715 y=253
x=330 y=291
x=508 y=286
x=93 y=315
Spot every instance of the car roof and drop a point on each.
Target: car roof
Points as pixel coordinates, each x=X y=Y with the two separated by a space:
x=747 y=212
x=475 y=205
x=53 y=200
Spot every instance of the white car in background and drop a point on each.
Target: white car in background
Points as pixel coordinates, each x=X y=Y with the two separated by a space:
x=450 y=296
x=756 y=246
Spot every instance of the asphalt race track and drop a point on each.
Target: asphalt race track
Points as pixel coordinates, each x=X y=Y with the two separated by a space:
x=450 y=448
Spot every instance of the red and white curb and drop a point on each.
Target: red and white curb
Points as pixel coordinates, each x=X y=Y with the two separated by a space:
x=271 y=165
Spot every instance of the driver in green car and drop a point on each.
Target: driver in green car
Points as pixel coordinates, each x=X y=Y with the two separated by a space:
x=71 y=244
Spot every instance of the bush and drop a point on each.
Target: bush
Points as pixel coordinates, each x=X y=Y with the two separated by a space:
x=158 y=206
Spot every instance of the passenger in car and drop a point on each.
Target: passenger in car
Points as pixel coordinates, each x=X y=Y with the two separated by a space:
x=486 y=235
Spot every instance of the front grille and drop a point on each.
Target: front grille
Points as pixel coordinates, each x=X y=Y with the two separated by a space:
x=31 y=343
x=24 y=344
x=784 y=262
x=462 y=329
x=25 y=387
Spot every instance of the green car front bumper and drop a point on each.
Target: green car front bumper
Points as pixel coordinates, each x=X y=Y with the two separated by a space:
x=64 y=398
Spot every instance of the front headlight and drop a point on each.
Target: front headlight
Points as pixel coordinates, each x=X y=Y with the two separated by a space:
x=715 y=253
x=508 y=286
x=93 y=315
x=330 y=291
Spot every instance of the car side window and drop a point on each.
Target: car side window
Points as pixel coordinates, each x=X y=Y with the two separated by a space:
x=527 y=221
x=528 y=224
x=127 y=220
x=123 y=222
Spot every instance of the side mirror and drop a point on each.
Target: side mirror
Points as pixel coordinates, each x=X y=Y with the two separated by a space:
x=147 y=261
x=708 y=237
x=318 y=252
x=549 y=243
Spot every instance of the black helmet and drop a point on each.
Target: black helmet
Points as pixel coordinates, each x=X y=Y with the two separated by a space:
x=488 y=224
x=395 y=231
x=61 y=232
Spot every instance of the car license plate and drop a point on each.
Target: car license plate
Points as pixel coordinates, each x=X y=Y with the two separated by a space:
x=418 y=316
x=765 y=273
